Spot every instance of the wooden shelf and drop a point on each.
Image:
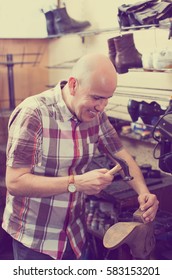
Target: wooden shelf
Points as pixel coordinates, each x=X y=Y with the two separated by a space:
x=165 y=70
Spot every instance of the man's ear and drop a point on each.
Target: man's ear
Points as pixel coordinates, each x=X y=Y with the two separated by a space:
x=73 y=83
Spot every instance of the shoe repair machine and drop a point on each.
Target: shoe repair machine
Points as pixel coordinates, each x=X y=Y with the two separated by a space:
x=165 y=140
x=161 y=120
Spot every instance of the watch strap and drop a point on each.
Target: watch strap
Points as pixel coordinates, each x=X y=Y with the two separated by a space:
x=71 y=179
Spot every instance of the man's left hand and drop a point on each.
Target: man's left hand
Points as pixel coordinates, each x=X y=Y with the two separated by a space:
x=148 y=203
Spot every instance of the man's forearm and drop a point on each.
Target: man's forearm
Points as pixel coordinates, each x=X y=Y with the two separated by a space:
x=138 y=183
x=20 y=182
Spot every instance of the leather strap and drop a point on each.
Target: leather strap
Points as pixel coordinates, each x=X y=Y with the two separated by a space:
x=71 y=179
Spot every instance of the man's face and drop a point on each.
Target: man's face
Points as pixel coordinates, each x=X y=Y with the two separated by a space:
x=88 y=102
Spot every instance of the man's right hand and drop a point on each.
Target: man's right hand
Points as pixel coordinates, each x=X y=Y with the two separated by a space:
x=94 y=181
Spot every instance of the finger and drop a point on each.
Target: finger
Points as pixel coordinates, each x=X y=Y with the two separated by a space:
x=150 y=214
x=149 y=218
x=145 y=202
x=151 y=203
x=103 y=170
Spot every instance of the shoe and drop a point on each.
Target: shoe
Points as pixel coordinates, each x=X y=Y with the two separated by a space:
x=139 y=236
x=63 y=23
x=150 y=112
x=127 y=56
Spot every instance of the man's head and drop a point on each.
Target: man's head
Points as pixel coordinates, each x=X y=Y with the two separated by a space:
x=92 y=82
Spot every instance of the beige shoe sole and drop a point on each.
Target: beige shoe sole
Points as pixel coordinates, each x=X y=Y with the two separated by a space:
x=119 y=233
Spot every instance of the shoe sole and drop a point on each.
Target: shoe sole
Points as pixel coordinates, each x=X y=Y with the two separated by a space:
x=118 y=234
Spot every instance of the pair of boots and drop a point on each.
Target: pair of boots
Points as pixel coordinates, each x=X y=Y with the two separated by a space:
x=123 y=53
x=59 y=22
x=137 y=234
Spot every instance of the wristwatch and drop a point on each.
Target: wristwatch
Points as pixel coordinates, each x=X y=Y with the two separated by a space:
x=71 y=187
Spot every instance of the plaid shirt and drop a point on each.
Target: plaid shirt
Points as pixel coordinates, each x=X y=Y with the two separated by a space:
x=45 y=135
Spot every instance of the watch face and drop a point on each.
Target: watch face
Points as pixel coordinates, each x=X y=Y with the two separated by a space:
x=71 y=188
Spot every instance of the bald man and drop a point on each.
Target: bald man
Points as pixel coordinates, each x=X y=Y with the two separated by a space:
x=52 y=138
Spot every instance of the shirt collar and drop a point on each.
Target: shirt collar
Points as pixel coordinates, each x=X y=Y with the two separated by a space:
x=65 y=112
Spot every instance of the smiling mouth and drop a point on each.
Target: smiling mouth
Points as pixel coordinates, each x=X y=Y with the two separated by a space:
x=92 y=113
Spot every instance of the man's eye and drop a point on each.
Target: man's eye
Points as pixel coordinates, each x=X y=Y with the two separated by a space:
x=96 y=97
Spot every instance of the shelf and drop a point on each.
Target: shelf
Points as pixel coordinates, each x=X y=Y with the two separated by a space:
x=69 y=64
x=88 y=32
x=96 y=31
x=143 y=92
x=165 y=70
x=161 y=25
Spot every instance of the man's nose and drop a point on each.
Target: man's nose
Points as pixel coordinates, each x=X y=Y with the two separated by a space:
x=101 y=104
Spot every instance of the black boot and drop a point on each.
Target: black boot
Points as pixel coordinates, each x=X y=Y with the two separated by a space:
x=150 y=112
x=133 y=109
x=127 y=55
x=50 y=22
x=64 y=24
